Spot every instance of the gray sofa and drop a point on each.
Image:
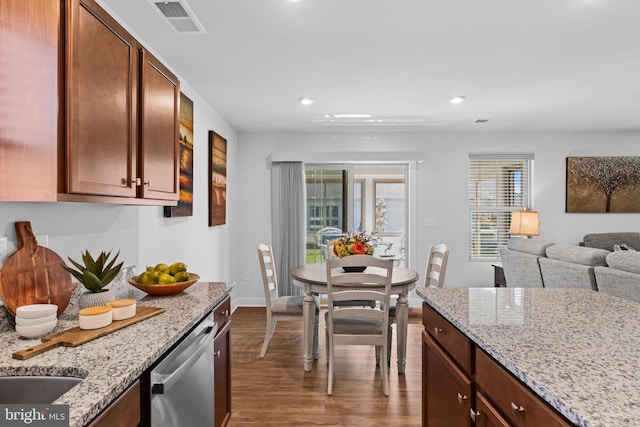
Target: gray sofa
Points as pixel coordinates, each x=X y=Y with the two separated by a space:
x=570 y=266
x=593 y=264
x=621 y=276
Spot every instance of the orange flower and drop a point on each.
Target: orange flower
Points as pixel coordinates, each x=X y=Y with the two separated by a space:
x=359 y=248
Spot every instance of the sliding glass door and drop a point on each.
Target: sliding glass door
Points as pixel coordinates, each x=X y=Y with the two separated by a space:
x=345 y=198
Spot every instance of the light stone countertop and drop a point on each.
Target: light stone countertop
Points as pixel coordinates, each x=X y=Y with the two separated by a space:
x=112 y=363
x=577 y=349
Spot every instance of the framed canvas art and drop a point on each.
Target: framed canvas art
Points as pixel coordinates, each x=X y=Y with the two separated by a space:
x=217 y=179
x=603 y=184
x=185 y=202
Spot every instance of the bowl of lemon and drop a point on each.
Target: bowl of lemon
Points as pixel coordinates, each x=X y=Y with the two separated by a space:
x=164 y=279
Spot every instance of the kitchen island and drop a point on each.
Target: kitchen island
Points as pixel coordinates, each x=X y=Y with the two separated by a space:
x=110 y=364
x=578 y=351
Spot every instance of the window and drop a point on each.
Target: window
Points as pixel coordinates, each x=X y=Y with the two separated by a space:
x=498 y=185
x=388 y=208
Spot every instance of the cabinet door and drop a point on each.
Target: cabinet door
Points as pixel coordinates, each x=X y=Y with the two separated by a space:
x=102 y=84
x=486 y=415
x=30 y=117
x=222 y=375
x=446 y=390
x=123 y=412
x=160 y=92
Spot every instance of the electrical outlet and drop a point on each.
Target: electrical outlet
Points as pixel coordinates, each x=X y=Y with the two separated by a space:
x=246 y=276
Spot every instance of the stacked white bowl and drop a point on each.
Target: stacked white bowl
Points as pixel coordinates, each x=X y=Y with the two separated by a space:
x=36 y=320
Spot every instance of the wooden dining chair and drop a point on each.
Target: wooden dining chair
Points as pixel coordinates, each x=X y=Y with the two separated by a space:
x=280 y=308
x=359 y=325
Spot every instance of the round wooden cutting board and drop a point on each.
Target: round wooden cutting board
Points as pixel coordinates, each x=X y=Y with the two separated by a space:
x=33 y=274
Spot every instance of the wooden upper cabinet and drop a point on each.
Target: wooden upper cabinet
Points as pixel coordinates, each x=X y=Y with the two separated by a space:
x=159 y=146
x=30 y=126
x=102 y=85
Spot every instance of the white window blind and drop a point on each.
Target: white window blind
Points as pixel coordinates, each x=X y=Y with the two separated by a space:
x=498 y=185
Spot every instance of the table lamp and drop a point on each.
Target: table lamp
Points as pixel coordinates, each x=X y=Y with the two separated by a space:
x=525 y=223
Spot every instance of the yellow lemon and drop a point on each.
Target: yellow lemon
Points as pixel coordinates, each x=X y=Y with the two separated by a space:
x=162 y=268
x=176 y=268
x=181 y=276
x=166 y=278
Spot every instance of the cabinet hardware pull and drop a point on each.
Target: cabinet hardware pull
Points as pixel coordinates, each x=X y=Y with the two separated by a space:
x=217 y=353
x=461 y=398
x=225 y=313
x=125 y=181
x=473 y=414
x=437 y=330
x=517 y=408
x=147 y=183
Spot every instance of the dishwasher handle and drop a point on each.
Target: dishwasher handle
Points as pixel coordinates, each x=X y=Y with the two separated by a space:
x=160 y=383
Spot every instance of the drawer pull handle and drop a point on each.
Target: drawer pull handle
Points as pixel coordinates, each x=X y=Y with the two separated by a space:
x=217 y=354
x=225 y=313
x=461 y=398
x=473 y=414
x=517 y=408
x=437 y=330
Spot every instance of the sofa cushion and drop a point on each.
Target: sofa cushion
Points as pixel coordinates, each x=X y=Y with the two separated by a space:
x=625 y=261
x=578 y=254
x=609 y=240
x=618 y=283
x=530 y=246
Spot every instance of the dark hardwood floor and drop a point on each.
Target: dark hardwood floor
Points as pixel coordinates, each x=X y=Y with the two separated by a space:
x=277 y=391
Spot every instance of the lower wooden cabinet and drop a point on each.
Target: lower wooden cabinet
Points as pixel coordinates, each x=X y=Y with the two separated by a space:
x=460 y=389
x=222 y=372
x=123 y=412
x=446 y=390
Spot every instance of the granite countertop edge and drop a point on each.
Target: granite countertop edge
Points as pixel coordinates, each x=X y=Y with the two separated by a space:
x=110 y=364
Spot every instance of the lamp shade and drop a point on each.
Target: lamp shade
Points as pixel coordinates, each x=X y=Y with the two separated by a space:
x=525 y=223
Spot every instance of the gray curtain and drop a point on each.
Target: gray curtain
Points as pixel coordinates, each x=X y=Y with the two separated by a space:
x=288 y=228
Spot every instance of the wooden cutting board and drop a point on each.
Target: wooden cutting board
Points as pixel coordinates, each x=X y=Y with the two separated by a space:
x=33 y=274
x=75 y=336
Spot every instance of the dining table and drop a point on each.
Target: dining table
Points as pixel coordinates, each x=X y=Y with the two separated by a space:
x=313 y=279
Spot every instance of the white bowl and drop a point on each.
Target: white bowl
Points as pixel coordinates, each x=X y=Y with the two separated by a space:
x=36 y=311
x=36 y=331
x=95 y=317
x=21 y=321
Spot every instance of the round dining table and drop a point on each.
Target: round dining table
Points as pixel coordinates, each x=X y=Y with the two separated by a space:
x=313 y=279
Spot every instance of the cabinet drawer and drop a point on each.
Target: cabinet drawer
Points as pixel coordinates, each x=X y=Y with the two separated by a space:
x=517 y=403
x=453 y=341
x=222 y=312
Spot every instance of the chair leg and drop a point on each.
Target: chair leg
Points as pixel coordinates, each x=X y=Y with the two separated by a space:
x=389 y=341
x=385 y=371
x=378 y=350
x=330 y=371
x=268 y=333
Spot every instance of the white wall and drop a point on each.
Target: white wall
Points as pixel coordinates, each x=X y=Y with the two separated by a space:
x=441 y=189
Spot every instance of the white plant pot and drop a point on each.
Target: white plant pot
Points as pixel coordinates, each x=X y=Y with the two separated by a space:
x=91 y=299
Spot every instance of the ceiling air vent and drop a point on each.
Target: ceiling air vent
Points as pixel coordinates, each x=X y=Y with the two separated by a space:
x=179 y=16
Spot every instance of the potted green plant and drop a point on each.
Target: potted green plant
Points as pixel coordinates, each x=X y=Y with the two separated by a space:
x=95 y=274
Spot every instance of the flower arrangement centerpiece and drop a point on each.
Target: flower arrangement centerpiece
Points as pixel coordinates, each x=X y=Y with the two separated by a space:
x=353 y=244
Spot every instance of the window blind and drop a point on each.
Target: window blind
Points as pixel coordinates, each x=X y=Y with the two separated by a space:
x=498 y=185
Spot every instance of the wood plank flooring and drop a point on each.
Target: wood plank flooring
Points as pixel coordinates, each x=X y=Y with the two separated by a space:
x=277 y=391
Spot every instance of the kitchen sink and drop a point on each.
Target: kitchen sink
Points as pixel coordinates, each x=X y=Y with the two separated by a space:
x=34 y=389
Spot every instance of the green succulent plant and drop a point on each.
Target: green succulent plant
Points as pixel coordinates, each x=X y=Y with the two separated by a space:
x=96 y=273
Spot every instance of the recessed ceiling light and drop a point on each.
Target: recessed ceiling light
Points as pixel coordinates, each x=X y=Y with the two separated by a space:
x=457 y=99
x=352 y=116
x=305 y=100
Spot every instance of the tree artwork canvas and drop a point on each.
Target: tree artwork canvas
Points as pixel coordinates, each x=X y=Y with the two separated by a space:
x=603 y=184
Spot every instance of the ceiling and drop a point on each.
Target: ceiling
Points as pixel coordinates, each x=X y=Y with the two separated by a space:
x=525 y=65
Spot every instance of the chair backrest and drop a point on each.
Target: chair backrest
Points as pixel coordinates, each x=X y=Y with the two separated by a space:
x=269 y=276
x=325 y=236
x=436 y=265
x=350 y=286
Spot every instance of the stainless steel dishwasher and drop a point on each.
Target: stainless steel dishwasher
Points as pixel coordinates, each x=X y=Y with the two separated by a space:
x=181 y=385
